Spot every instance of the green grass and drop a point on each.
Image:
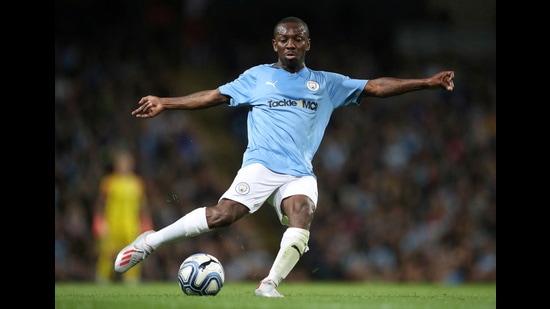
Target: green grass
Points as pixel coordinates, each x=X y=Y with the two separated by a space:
x=303 y=295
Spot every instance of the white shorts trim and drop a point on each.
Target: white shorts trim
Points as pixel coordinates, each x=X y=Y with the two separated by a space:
x=255 y=184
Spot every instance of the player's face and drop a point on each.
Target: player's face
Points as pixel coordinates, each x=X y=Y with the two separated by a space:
x=291 y=43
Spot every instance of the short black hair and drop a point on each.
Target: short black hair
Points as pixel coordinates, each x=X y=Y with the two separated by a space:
x=291 y=19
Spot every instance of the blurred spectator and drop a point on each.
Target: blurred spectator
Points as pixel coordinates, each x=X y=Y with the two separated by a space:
x=121 y=213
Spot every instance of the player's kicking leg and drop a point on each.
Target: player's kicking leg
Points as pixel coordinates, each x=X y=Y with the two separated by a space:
x=132 y=254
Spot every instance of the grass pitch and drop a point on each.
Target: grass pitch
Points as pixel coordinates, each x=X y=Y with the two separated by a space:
x=303 y=295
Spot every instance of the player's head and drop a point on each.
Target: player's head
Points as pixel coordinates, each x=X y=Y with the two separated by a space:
x=123 y=161
x=281 y=29
x=291 y=42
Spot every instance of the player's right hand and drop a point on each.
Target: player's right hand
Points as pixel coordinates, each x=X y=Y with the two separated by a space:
x=150 y=106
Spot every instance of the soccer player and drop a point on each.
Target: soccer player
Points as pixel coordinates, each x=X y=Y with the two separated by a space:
x=120 y=214
x=290 y=108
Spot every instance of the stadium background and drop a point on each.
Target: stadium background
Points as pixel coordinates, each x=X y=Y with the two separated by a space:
x=407 y=184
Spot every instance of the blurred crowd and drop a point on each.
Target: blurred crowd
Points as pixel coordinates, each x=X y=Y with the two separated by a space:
x=407 y=185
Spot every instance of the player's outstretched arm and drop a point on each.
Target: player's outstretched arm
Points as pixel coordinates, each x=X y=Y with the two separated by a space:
x=150 y=106
x=389 y=86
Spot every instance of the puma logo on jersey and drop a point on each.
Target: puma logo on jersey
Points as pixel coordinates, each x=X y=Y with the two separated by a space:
x=271 y=84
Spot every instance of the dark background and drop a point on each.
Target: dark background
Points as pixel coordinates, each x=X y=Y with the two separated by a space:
x=407 y=184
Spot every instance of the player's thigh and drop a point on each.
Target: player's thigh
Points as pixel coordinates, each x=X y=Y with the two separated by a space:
x=300 y=188
x=253 y=185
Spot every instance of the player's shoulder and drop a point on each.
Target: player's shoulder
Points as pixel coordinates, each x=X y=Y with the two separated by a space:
x=260 y=68
x=255 y=70
x=325 y=75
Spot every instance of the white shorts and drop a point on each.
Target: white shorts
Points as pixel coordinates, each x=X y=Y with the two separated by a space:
x=255 y=184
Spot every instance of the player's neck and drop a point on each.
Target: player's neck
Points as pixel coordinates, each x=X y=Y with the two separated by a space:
x=289 y=67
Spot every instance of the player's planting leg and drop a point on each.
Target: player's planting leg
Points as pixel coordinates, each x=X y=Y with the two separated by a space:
x=293 y=246
x=267 y=288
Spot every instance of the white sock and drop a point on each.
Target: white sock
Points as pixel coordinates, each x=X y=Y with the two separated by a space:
x=293 y=245
x=192 y=224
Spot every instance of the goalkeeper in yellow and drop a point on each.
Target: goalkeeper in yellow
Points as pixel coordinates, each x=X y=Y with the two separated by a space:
x=120 y=215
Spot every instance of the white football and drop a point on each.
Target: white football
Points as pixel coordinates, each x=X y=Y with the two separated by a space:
x=201 y=274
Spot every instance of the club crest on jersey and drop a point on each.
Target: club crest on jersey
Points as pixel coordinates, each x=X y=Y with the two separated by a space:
x=242 y=188
x=311 y=85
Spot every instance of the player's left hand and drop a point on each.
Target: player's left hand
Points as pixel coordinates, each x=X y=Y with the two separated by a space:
x=446 y=79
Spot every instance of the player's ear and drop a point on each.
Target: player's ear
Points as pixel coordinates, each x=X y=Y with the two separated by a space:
x=274 y=44
x=308 y=45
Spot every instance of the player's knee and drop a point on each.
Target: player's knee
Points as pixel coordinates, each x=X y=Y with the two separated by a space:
x=224 y=214
x=300 y=211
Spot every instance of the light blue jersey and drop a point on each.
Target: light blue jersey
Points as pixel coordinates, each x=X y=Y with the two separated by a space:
x=289 y=113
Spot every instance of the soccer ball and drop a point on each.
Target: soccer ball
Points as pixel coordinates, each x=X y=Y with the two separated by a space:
x=201 y=274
